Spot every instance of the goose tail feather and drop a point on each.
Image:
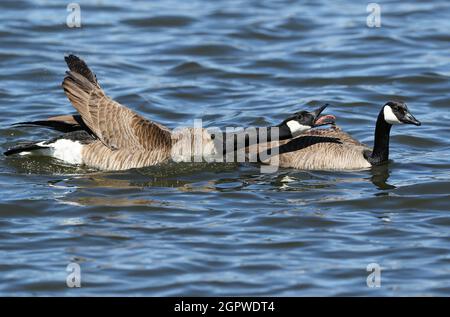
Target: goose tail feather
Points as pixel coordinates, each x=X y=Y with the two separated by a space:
x=23 y=147
x=52 y=124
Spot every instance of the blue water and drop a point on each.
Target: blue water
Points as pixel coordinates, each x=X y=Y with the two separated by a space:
x=185 y=229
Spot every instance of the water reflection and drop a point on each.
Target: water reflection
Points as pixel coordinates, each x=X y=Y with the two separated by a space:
x=152 y=187
x=380 y=175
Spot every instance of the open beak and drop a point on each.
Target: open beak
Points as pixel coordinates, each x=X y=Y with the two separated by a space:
x=409 y=119
x=322 y=120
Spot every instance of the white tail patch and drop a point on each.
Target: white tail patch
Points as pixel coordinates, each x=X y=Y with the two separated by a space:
x=297 y=128
x=389 y=116
x=65 y=150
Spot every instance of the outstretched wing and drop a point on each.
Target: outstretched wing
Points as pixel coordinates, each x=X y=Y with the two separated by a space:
x=115 y=125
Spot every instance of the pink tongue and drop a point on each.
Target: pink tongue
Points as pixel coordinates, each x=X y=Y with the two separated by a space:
x=323 y=119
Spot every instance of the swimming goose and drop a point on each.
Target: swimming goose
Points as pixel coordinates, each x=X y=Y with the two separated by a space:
x=109 y=136
x=333 y=149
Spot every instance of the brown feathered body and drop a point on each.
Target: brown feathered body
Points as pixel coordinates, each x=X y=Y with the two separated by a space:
x=118 y=138
x=325 y=149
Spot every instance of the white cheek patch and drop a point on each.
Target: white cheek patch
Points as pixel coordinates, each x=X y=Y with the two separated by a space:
x=389 y=116
x=297 y=128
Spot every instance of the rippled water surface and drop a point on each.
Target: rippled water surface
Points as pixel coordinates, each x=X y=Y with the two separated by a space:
x=227 y=229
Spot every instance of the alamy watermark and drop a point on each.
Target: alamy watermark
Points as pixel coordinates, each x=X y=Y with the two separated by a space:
x=237 y=145
x=374 y=278
x=73 y=19
x=374 y=18
x=73 y=279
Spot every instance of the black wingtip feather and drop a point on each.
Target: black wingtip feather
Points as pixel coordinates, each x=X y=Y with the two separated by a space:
x=52 y=124
x=77 y=65
x=22 y=148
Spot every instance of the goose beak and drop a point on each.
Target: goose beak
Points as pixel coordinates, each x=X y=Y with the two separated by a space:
x=409 y=119
x=322 y=120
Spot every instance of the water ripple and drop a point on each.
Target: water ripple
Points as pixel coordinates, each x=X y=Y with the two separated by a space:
x=227 y=229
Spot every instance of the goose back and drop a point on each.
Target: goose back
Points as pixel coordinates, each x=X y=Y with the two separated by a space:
x=325 y=149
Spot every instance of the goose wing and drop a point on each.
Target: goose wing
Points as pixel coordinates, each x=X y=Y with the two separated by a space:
x=115 y=125
x=63 y=123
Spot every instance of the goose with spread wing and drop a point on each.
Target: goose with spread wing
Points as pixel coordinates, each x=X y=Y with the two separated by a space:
x=109 y=136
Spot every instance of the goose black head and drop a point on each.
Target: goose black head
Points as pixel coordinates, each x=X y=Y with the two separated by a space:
x=395 y=112
x=303 y=121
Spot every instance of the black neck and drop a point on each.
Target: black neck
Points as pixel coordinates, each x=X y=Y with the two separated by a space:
x=284 y=133
x=380 y=153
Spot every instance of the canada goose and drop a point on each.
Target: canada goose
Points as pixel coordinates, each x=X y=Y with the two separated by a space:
x=109 y=136
x=333 y=149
